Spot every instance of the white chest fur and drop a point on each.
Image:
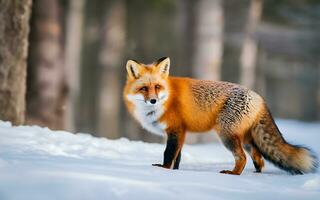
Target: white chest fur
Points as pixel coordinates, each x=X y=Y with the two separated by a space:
x=149 y=115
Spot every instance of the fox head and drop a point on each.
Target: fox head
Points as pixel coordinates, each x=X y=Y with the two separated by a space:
x=147 y=84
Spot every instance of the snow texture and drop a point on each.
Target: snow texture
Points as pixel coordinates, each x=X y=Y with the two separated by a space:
x=37 y=163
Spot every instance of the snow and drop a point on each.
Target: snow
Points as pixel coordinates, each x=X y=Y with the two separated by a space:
x=37 y=163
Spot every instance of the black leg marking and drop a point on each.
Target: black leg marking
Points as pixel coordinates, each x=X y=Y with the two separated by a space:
x=256 y=165
x=171 y=149
x=177 y=162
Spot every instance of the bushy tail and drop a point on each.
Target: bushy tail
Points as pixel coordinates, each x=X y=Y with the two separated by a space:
x=273 y=147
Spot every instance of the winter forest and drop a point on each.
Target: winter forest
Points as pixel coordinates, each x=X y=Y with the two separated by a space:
x=63 y=69
x=76 y=53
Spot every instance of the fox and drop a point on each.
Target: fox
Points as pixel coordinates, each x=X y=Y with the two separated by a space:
x=172 y=106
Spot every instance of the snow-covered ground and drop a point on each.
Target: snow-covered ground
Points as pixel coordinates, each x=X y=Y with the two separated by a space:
x=36 y=163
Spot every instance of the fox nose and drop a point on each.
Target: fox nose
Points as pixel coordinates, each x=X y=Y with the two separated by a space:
x=153 y=101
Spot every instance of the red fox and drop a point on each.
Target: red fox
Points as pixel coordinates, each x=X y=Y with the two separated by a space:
x=173 y=105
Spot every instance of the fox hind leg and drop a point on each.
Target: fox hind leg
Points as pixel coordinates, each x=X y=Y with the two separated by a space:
x=233 y=143
x=256 y=157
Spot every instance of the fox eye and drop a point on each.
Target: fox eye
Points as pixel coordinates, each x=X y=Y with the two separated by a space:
x=144 y=88
x=158 y=86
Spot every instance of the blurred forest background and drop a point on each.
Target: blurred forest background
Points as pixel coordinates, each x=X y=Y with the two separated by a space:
x=78 y=50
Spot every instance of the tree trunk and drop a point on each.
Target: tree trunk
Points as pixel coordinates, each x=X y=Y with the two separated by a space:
x=249 y=49
x=111 y=60
x=72 y=59
x=209 y=40
x=14 y=29
x=88 y=106
x=45 y=94
x=235 y=13
x=185 y=25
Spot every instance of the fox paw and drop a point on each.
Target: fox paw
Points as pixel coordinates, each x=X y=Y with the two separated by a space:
x=161 y=165
x=229 y=172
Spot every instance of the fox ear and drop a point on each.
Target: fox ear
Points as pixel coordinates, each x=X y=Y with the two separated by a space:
x=163 y=65
x=133 y=69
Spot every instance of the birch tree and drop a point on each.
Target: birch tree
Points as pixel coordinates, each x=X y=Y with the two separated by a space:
x=46 y=94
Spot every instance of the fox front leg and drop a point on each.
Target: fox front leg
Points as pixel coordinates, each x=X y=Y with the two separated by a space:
x=177 y=161
x=172 y=153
